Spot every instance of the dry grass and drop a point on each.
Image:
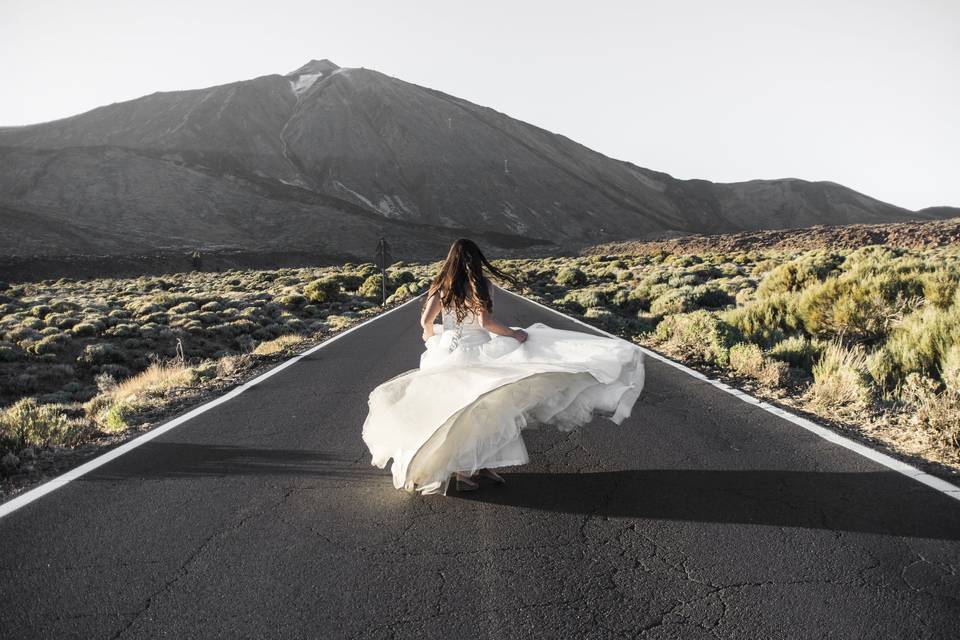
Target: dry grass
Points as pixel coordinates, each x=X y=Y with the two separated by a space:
x=747 y=360
x=281 y=344
x=840 y=380
x=112 y=409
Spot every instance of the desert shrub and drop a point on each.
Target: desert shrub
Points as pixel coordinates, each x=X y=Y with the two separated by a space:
x=208 y=317
x=950 y=367
x=765 y=321
x=919 y=343
x=606 y=319
x=60 y=320
x=184 y=307
x=582 y=299
x=673 y=301
x=84 y=329
x=797 y=351
x=936 y=410
x=745 y=296
x=631 y=300
x=571 y=277
x=403 y=277
x=404 y=292
x=367 y=269
x=711 y=296
x=293 y=300
x=678 y=280
x=40 y=311
x=54 y=344
x=123 y=330
x=116 y=417
x=840 y=379
x=699 y=334
x=940 y=286
x=101 y=353
x=27 y=423
x=797 y=274
x=372 y=287
x=351 y=281
x=747 y=359
x=858 y=304
x=322 y=290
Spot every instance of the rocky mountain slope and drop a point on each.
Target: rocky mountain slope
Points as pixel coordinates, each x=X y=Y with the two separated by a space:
x=907 y=235
x=328 y=159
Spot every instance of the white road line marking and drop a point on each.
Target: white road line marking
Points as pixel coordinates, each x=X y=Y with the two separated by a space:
x=890 y=462
x=52 y=485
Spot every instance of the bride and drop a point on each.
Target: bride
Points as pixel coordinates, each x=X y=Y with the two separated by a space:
x=480 y=383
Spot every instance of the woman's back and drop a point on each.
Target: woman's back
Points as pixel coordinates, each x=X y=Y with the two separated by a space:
x=470 y=320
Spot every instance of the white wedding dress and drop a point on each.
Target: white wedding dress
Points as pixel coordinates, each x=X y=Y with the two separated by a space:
x=464 y=408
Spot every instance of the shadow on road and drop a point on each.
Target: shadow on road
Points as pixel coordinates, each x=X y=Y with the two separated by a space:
x=185 y=460
x=883 y=503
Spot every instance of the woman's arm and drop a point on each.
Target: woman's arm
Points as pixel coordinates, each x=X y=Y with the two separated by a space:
x=429 y=314
x=491 y=324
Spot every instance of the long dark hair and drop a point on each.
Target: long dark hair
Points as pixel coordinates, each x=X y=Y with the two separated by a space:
x=461 y=282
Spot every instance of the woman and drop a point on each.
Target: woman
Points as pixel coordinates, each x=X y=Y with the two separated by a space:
x=481 y=382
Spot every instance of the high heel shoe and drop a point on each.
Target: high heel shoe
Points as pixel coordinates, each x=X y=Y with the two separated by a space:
x=466 y=483
x=460 y=483
x=490 y=474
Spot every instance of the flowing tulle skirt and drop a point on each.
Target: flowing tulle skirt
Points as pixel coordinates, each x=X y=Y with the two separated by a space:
x=465 y=407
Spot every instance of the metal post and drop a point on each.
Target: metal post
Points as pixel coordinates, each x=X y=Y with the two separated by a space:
x=383 y=257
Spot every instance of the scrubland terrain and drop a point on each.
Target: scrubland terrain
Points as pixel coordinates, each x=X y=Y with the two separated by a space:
x=865 y=339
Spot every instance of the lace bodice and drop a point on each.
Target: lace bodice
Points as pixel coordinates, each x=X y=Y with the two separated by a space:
x=469 y=321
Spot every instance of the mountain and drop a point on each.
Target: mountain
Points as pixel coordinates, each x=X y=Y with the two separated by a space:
x=329 y=159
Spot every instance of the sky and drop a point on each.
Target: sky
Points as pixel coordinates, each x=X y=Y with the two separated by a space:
x=863 y=93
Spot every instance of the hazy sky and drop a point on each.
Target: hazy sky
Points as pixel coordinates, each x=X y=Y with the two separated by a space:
x=865 y=93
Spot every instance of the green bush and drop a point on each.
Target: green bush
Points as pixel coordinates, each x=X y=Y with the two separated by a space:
x=919 y=343
x=858 y=304
x=840 y=379
x=711 y=296
x=27 y=423
x=674 y=301
x=372 y=287
x=700 y=335
x=117 y=417
x=84 y=329
x=322 y=290
x=185 y=307
x=583 y=299
x=797 y=351
x=571 y=277
x=54 y=344
x=403 y=277
x=765 y=321
x=293 y=300
x=746 y=359
x=940 y=286
x=101 y=353
x=797 y=274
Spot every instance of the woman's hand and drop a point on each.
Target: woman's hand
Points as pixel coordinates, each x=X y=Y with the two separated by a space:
x=520 y=335
x=427 y=333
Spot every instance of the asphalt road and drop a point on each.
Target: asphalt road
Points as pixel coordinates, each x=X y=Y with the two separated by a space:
x=701 y=516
